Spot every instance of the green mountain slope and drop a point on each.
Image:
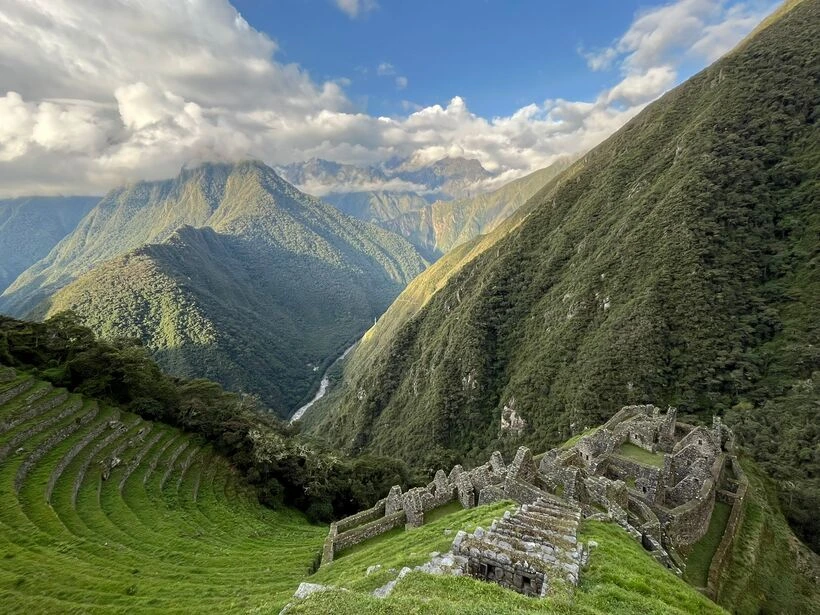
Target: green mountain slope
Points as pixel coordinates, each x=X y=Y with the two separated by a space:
x=376 y=206
x=273 y=285
x=675 y=263
x=439 y=227
x=31 y=226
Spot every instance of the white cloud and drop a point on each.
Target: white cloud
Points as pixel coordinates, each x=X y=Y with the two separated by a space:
x=95 y=94
x=637 y=88
x=356 y=8
x=385 y=69
x=699 y=29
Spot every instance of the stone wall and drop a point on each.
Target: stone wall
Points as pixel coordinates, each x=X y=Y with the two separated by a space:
x=365 y=516
x=345 y=540
x=647 y=478
x=719 y=559
x=688 y=523
x=337 y=541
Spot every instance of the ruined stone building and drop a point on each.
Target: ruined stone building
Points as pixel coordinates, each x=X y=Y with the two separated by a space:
x=656 y=477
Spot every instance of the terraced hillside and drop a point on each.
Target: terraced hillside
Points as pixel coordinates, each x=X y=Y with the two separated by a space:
x=105 y=512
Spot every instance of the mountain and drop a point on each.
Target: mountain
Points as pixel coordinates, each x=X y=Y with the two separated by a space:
x=31 y=226
x=437 y=228
x=446 y=178
x=455 y=177
x=235 y=275
x=675 y=263
x=434 y=228
x=378 y=206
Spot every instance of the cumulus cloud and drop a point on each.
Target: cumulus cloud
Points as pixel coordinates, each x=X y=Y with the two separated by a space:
x=694 y=29
x=95 y=94
x=356 y=8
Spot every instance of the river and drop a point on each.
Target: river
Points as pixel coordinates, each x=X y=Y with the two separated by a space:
x=323 y=385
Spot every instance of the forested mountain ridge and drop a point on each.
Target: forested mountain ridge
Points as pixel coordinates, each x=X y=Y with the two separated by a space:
x=31 y=226
x=676 y=263
x=271 y=285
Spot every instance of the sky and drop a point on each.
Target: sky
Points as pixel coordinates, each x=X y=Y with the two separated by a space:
x=94 y=93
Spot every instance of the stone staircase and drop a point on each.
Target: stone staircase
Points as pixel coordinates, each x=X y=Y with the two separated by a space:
x=530 y=551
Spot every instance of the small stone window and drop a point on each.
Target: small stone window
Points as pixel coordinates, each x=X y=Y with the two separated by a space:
x=643 y=488
x=700 y=441
x=482 y=570
x=526 y=583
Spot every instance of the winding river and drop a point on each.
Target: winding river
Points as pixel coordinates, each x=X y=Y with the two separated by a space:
x=323 y=385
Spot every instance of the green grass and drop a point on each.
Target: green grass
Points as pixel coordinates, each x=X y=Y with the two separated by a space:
x=574 y=439
x=173 y=539
x=442 y=511
x=768 y=570
x=636 y=453
x=698 y=562
x=401 y=548
x=621 y=579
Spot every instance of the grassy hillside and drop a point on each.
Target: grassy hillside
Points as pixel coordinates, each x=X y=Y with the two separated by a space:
x=106 y=512
x=621 y=578
x=675 y=264
x=439 y=227
x=172 y=528
x=31 y=226
x=275 y=284
x=768 y=570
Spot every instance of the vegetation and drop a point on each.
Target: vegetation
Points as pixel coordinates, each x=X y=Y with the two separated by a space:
x=674 y=264
x=621 y=578
x=700 y=558
x=31 y=226
x=768 y=571
x=285 y=469
x=173 y=528
x=641 y=455
x=273 y=284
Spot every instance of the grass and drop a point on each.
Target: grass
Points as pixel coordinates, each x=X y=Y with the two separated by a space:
x=768 y=570
x=174 y=529
x=698 y=562
x=643 y=456
x=443 y=511
x=182 y=534
x=574 y=439
x=621 y=579
x=401 y=548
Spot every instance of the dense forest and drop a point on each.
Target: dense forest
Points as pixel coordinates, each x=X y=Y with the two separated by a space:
x=675 y=264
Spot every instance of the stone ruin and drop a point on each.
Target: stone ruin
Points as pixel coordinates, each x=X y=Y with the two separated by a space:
x=656 y=477
x=527 y=550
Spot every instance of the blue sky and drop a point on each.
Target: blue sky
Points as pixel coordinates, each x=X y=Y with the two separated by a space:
x=499 y=55
x=93 y=94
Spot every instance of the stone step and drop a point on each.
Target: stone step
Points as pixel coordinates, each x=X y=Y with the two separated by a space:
x=554 y=540
x=531 y=549
x=552 y=523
